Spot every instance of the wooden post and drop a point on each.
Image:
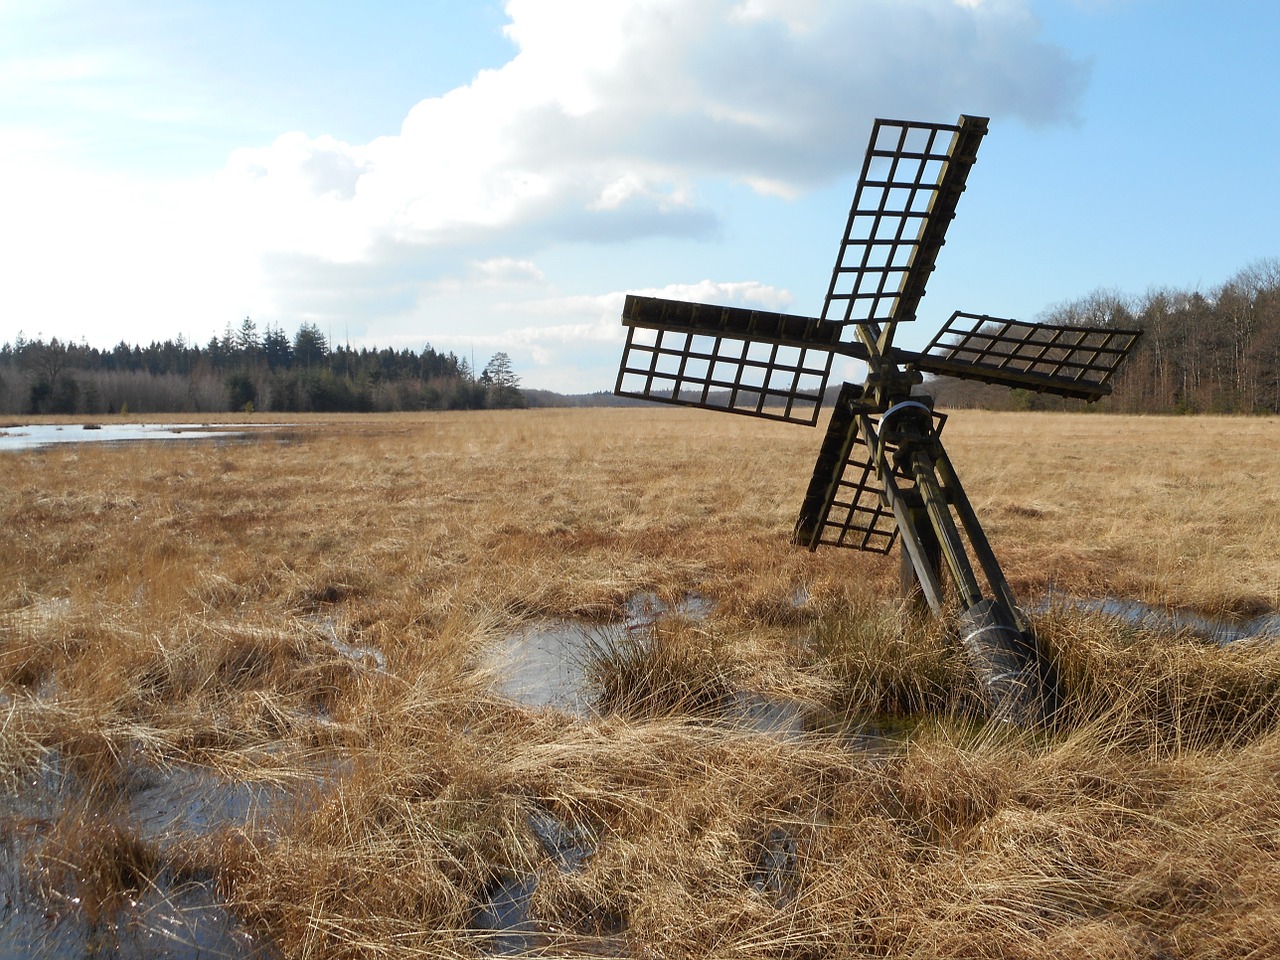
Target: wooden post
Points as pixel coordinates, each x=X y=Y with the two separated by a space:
x=931 y=550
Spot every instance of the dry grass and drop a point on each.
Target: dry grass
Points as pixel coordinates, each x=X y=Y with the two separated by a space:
x=220 y=606
x=1174 y=511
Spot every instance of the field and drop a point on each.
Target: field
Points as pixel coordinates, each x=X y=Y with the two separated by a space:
x=257 y=693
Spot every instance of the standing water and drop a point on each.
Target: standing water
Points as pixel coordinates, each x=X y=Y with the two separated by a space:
x=33 y=436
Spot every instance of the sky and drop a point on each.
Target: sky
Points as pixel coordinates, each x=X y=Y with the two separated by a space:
x=495 y=176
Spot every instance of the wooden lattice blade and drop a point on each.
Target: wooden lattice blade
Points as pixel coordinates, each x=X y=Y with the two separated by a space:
x=1069 y=361
x=754 y=362
x=845 y=504
x=741 y=323
x=911 y=182
x=861 y=519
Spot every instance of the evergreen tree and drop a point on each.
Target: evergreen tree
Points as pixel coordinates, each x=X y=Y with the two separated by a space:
x=502 y=386
x=278 y=348
x=310 y=348
x=247 y=341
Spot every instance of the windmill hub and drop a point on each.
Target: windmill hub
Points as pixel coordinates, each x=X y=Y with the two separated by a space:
x=882 y=473
x=911 y=417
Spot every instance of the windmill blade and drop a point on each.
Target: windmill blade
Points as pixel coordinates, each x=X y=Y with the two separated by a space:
x=845 y=504
x=906 y=198
x=1047 y=358
x=771 y=365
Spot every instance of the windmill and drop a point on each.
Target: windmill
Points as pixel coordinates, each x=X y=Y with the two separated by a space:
x=882 y=473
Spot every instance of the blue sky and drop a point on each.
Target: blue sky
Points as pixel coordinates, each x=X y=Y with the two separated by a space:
x=496 y=176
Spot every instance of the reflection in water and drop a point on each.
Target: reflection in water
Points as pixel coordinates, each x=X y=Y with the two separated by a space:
x=505 y=920
x=170 y=914
x=504 y=917
x=548 y=664
x=33 y=436
x=545 y=664
x=644 y=609
x=191 y=801
x=784 y=719
x=1168 y=620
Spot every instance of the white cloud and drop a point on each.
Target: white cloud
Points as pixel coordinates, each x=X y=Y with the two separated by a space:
x=570 y=343
x=505 y=271
x=608 y=116
x=89 y=255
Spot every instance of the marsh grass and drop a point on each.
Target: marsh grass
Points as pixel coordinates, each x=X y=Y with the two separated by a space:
x=674 y=668
x=317 y=613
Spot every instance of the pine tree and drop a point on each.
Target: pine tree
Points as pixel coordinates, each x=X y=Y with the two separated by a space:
x=502 y=386
x=310 y=348
x=247 y=341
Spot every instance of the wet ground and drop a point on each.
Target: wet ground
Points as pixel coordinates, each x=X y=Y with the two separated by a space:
x=1171 y=620
x=544 y=665
x=175 y=914
x=32 y=436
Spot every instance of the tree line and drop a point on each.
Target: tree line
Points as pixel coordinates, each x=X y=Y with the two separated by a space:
x=245 y=370
x=1200 y=352
x=1215 y=351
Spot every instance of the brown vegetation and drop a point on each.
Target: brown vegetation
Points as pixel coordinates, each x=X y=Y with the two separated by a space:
x=316 y=611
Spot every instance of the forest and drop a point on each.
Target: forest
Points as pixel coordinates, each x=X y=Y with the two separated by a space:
x=1214 y=351
x=245 y=370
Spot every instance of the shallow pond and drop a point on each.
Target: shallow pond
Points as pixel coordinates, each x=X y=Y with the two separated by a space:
x=174 y=915
x=1170 y=620
x=33 y=436
x=546 y=663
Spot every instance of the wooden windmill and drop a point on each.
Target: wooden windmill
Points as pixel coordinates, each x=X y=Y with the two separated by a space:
x=882 y=472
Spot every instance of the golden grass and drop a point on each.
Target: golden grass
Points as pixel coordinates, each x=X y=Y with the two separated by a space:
x=200 y=604
x=1177 y=511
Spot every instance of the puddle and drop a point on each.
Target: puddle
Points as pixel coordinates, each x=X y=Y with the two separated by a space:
x=170 y=916
x=505 y=921
x=569 y=846
x=1170 y=620
x=169 y=920
x=189 y=801
x=645 y=609
x=507 y=925
x=545 y=664
x=34 y=436
x=761 y=714
x=359 y=654
x=776 y=867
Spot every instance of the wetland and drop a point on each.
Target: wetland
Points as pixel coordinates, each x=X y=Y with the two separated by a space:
x=555 y=682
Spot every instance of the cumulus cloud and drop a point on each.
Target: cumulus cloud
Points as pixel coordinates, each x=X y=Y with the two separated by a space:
x=608 y=117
